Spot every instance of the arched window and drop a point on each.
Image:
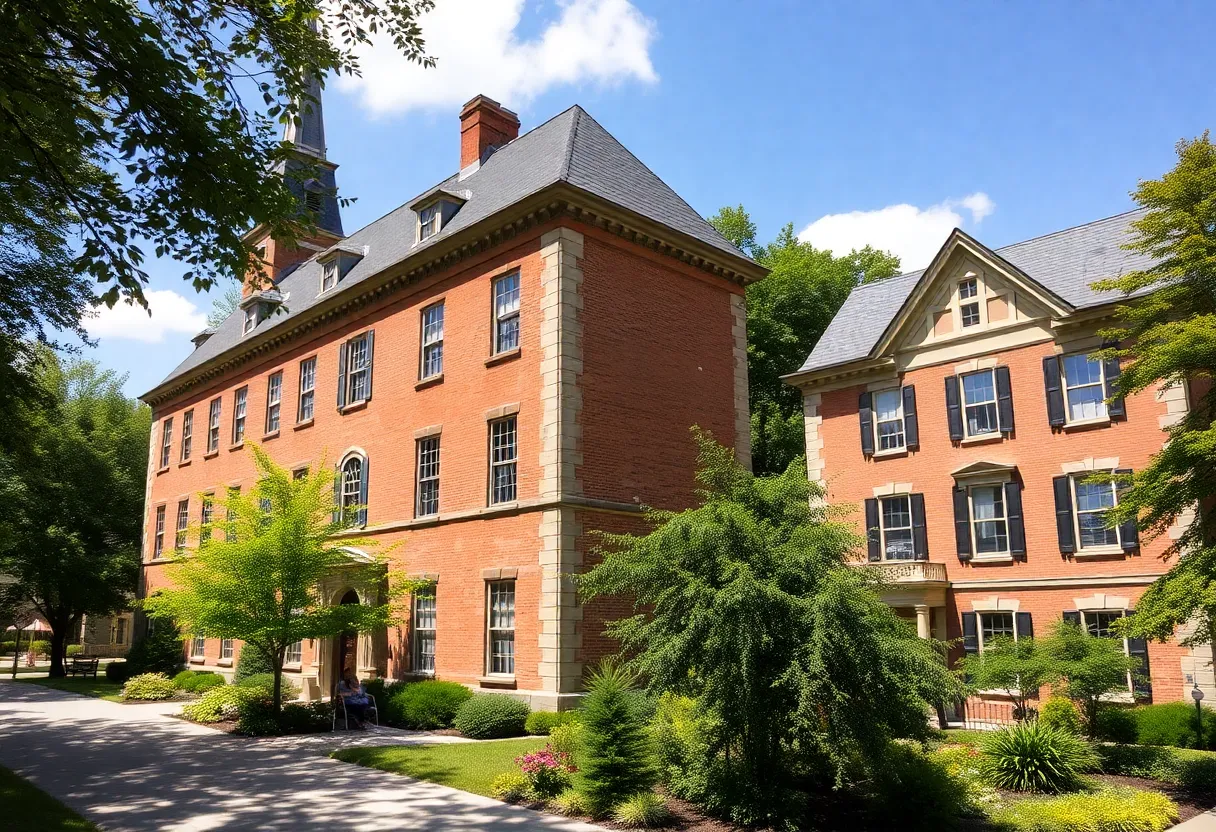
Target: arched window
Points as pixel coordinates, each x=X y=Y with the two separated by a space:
x=352 y=490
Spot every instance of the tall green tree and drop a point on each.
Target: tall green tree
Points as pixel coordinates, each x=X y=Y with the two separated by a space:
x=787 y=313
x=747 y=603
x=71 y=497
x=260 y=580
x=1169 y=337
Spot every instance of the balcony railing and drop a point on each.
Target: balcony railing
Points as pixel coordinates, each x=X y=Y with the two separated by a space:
x=910 y=571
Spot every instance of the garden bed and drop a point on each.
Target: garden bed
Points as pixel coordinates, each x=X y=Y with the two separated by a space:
x=1189 y=804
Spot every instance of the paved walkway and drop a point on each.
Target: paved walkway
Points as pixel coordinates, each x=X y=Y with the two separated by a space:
x=133 y=767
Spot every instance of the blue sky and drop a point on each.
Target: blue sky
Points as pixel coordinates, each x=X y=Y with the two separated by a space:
x=858 y=122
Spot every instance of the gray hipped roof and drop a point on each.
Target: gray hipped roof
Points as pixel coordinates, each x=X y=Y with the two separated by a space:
x=1065 y=262
x=572 y=147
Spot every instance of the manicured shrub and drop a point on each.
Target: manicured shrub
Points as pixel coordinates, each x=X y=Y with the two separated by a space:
x=118 y=671
x=149 y=687
x=39 y=647
x=306 y=718
x=197 y=681
x=1032 y=757
x=682 y=737
x=218 y=704
x=1059 y=712
x=568 y=739
x=1192 y=770
x=914 y=790
x=74 y=650
x=542 y=723
x=511 y=786
x=265 y=683
x=252 y=662
x=569 y=803
x=1112 y=810
x=425 y=705
x=644 y=810
x=255 y=717
x=1174 y=723
x=160 y=651
x=617 y=759
x=1115 y=725
x=490 y=716
x=548 y=772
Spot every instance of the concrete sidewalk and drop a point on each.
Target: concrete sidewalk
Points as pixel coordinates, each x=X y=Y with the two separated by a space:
x=132 y=767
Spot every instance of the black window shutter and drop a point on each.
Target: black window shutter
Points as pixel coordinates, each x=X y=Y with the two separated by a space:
x=1142 y=683
x=371 y=340
x=962 y=523
x=1004 y=400
x=971 y=633
x=920 y=541
x=1013 y=517
x=911 y=426
x=954 y=413
x=873 y=532
x=1023 y=627
x=1055 y=394
x=342 y=376
x=1110 y=368
x=363 y=494
x=1073 y=617
x=1063 y=492
x=1129 y=535
x=865 y=412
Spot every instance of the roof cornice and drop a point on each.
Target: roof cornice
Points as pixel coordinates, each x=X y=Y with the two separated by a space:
x=559 y=200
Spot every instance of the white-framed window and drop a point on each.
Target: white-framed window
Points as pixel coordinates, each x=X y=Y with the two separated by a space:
x=158 y=538
x=996 y=624
x=424 y=631
x=503 y=455
x=358 y=368
x=1084 y=388
x=234 y=491
x=166 y=442
x=432 y=341
x=226 y=649
x=206 y=517
x=889 y=419
x=240 y=400
x=428 y=222
x=500 y=636
x=294 y=654
x=187 y=434
x=428 y=477
x=213 y=426
x=1093 y=500
x=506 y=313
x=183 y=522
x=251 y=319
x=308 y=385
x=274 y=399
x=896 y=519
x=969 y=305
x=329 y=274
x=979 y=403
x=989 y=521
x=198 y=646
x=352 y=489
x=120 y=631
x=1097 y=623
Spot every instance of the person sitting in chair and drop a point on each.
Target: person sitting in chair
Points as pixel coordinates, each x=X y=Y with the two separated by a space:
x=355 y=698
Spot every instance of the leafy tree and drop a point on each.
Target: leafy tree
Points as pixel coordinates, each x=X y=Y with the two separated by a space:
x=1017 y=668
x=787 y=313
x=1088 y=668
x=224 y=305
x=260 y=581
x=616 y=756
x=1169 y=337
x=746 y=602
x=71 y=497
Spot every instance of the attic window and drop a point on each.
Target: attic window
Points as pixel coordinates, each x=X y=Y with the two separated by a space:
x=254 y=315
x=970 y=312
x=428 y=222
x=329 y=277
x=336 y=262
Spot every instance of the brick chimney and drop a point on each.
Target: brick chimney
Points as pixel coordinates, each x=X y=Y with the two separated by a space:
x=484 y=123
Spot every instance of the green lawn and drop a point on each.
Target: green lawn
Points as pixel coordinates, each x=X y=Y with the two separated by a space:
x=100 y=687
x=469 y=766
x=28 y=807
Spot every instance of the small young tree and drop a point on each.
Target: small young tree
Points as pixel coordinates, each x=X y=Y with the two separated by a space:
x=260 y=580
x=1087 y=667
x=617 y=759
x=1016 y=668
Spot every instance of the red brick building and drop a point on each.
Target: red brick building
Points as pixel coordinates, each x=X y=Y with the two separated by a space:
x=499 y=368
x=960 y=411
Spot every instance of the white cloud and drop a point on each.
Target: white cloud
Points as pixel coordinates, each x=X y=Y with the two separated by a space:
x=915 y=234
x=477 y=51
x=171 y=314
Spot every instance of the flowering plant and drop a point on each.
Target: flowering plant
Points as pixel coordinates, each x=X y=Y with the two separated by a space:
x=548 y=771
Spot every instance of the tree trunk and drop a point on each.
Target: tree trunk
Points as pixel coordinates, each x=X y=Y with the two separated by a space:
x=278 y=683
x=59 y=642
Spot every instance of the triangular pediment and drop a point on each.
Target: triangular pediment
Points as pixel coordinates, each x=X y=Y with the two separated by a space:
x=967 y=291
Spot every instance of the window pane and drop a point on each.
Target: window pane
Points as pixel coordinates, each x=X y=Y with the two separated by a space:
x=896 y=513
x=1081 y=369
x=1095 y=496
x=1086 y=403
x=987 y=503
x=886 y=404
x=970 y=314
x=506 y=313
x=1094 y=531
x=890 y=435
x=967 y=289
x=978 y=388
x=897 y=528
x=428 y=476
x=994 y=625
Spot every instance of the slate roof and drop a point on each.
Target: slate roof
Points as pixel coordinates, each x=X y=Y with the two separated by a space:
x=572 y=147
x=1065 y=262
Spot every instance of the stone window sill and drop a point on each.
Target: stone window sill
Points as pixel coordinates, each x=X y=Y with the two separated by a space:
x=1087 y=424
x=982 y=438
x=198 y=659
x=496 y=680
x=888 y=454
x=160 y=471
x=224 y=663
x=1099 y=551
x=292 y=668
x=236 y=446
x=183 y=463
x=1004 y=557
x=432 y=381
x=211 y=454
x=307 y=423
x=503 y=357
x=274 y=434
x=352 y=407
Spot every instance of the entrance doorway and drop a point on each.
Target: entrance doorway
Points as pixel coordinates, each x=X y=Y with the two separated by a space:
x=347 y=646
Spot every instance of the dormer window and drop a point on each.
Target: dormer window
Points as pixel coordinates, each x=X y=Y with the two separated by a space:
x=329 y=277
x=970 y=312
x=428 y=222
x=435 y=210
x=337 y=262
x=257 y=308
x=251 y=319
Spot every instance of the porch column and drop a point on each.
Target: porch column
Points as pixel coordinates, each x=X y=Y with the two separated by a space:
x=923 y=628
